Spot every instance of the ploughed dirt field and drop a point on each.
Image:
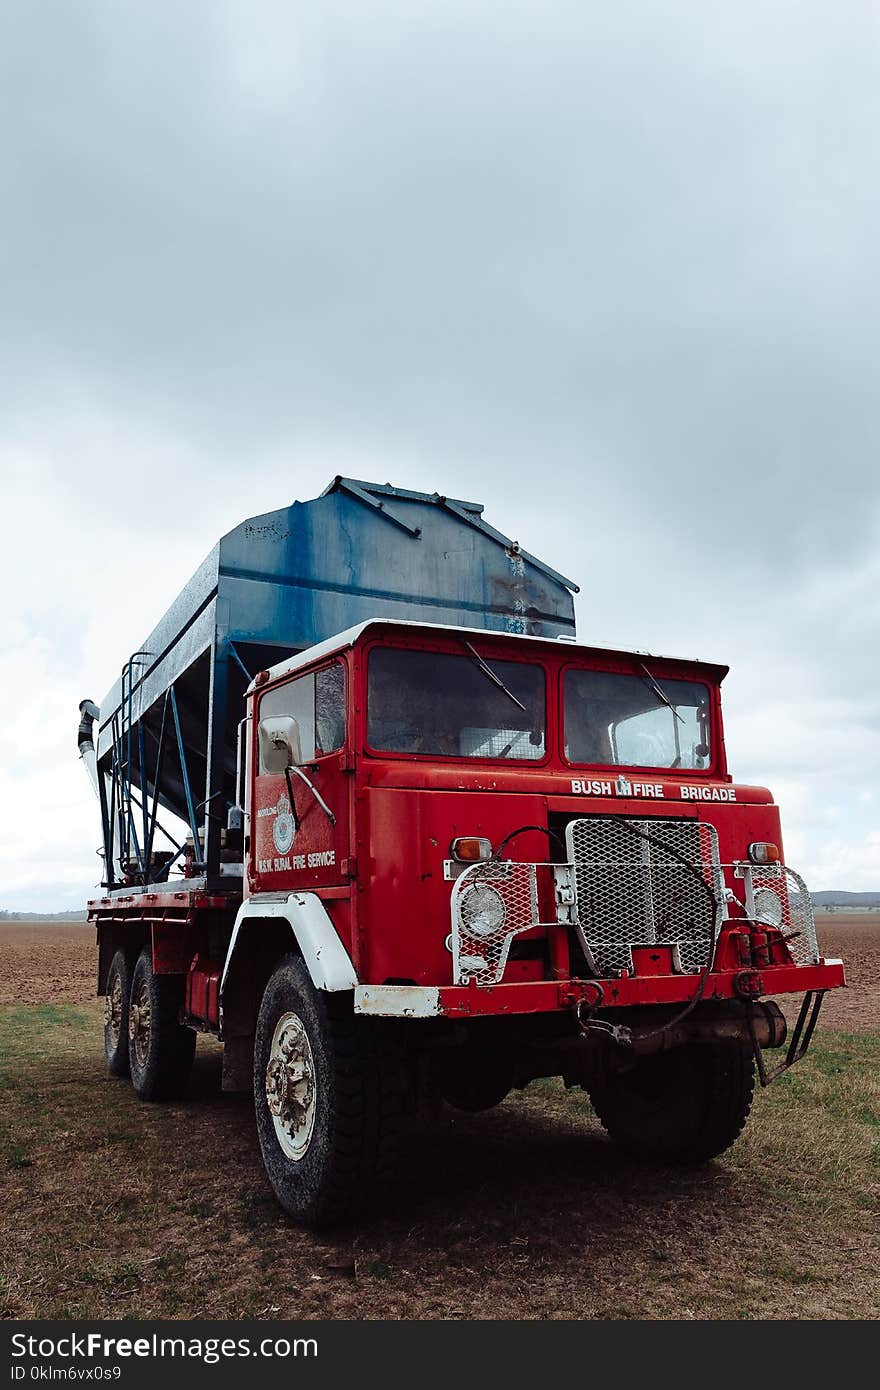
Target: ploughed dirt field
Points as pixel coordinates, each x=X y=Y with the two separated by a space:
x=111 y=1208
x=855 y=938
x=47 y=962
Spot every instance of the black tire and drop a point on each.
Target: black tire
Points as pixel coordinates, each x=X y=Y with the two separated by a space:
x=337 y=1096
x=118 y=992
x=684 y=1106
x=160 y=1050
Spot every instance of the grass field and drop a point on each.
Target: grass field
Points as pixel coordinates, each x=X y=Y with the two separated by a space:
x=111 y=1208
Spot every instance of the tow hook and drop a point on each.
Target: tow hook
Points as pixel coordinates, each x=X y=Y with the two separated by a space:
x=617 y=1032
x=585 y=1007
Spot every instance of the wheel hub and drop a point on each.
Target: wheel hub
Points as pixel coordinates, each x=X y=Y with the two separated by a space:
x=139 y=1025
x=113 y=1011
x=290 y=1086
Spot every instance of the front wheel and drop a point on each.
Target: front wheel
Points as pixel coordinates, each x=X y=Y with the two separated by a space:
x=683 y=1106
x=160 y=1049
x=327 y=1093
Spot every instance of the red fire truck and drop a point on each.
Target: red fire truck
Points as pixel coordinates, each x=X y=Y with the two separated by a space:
x=471 y=858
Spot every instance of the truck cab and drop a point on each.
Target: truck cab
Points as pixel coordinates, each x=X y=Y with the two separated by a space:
x=518 y=817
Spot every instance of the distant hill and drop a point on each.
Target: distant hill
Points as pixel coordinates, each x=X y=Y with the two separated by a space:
x=42 y=916
x=834 y=898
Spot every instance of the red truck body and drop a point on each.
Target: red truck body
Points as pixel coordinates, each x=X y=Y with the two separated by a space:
x=382 y=867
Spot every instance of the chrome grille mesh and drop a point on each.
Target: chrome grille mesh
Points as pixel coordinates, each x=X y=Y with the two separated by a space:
x=794 y=913
x=631 y=891
x=491 y=904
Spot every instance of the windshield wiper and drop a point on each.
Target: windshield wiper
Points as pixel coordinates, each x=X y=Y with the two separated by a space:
x=659 y=693
x=490 y=675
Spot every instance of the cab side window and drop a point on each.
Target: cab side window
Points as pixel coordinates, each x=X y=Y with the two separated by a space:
x=317 y=703
x=329 y=708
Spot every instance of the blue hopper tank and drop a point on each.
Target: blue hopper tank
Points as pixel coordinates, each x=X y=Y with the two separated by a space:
x=276 y=584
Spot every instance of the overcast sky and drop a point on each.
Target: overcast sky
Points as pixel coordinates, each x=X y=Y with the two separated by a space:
x=610 y=269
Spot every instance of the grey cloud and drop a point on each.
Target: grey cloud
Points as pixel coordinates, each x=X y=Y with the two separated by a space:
x=618 y=243
x=610 y=269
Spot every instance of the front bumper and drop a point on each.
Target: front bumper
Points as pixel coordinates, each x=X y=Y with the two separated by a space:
x=553 y=996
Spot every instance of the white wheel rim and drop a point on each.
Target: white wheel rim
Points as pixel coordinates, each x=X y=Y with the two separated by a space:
x=290 y=1086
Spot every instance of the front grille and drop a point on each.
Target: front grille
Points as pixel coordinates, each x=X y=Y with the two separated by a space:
x=646 y=882
x=634 y=891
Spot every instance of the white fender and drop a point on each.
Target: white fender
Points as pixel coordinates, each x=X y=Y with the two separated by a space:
x=326 y=958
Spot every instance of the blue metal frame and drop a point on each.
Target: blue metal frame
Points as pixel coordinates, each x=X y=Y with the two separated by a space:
x=190 y=804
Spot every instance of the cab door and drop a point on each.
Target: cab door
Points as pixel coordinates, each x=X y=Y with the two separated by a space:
x=294 y=842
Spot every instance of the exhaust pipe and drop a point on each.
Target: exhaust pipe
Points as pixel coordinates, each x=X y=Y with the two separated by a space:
x=88 y=712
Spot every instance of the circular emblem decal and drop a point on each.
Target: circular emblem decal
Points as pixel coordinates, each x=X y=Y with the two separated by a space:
x=283 y=829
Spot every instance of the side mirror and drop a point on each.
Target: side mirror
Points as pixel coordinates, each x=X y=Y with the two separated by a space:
x=280 y=745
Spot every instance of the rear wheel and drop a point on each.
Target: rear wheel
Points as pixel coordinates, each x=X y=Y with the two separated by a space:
x=328 y=1097
x=160 y=1049
x=683 y=1106
x=116 y=1014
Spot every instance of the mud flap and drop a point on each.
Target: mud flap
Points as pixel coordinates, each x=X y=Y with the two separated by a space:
x=238 y=1064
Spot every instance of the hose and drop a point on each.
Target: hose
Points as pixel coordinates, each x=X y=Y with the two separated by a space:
x=710 y=954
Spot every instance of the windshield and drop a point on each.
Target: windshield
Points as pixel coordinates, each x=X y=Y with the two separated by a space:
x=438 y=703
x=622 y=720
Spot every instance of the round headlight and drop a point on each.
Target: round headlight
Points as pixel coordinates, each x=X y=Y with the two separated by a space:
x=482 y=910
x=768 y=908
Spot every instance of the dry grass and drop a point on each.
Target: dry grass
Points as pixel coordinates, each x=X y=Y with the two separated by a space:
x=109 y=1208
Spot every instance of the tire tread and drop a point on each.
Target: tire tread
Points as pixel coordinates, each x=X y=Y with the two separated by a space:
x=721 y=1102
x=365 y=1080
x=172 y=1046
